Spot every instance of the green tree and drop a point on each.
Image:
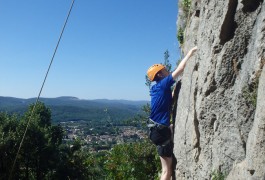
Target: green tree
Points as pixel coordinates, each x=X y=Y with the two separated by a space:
x=38 y=155
x=167 y=64
x=43 y=154
x=147 y=82
x=132 y=161
x=8 y=144
x=76 y=163
x=141 y=120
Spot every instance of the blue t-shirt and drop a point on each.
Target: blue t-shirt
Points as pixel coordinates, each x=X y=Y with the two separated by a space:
x=161 y=100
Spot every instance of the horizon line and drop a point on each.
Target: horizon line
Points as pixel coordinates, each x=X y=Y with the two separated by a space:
x=74 y=97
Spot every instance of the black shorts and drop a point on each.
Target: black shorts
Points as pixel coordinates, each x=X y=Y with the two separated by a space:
x=161 y=137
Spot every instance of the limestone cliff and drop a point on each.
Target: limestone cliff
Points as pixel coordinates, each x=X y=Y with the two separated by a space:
x=220 y=120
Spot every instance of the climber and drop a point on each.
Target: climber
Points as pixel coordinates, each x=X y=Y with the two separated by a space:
x=161 y=98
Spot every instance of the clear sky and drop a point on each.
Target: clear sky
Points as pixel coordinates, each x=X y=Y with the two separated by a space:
x=105 y=51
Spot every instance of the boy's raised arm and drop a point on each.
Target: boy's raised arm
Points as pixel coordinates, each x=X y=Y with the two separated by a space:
x=182 y=64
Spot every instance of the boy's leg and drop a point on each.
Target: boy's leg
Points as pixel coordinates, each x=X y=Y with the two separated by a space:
x=166 y=163
x=162 y=138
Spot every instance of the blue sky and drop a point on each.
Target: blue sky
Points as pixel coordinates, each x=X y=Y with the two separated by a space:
x=105 y=50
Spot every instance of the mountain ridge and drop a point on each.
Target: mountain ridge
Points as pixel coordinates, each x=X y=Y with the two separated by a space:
x=68 y=108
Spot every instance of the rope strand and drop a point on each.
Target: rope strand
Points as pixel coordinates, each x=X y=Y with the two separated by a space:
x=37 y=100
x=174 y=124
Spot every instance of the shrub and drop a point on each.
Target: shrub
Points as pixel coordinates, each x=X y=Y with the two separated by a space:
x=180 y=35
x=250 y=92
x=132 y=161
x=217 y=175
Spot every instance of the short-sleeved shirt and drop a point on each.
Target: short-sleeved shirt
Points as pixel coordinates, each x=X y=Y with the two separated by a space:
x=161 y=100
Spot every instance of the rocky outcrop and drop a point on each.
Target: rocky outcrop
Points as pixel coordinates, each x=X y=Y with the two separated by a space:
x=220 y=120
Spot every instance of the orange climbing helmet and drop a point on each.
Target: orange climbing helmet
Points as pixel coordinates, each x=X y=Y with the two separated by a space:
x=153 y=70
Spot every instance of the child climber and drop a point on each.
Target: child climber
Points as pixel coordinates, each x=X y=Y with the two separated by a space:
x=161 y=99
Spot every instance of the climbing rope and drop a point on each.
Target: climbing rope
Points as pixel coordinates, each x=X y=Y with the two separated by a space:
x=37 y=100
x=188 y=21
x=186 y=152
x=188 y=113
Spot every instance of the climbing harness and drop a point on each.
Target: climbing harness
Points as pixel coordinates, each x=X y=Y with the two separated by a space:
x=161 y=136
x=155 y=124
x=37 y=100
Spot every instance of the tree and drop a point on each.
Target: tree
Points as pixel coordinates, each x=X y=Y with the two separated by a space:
x=8 y=144
x=141 y=119
x=38 y=155
x=147 y=82
x=43 y=154
x=166 y=61
x=132 y=161
x=75 y=163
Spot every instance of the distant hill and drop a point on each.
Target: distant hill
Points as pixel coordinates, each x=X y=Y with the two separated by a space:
x=68 y=108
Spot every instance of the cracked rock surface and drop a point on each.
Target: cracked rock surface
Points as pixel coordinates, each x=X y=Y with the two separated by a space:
x=220 y=119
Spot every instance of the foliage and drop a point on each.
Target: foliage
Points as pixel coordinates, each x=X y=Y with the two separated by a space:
x=250 y=92
x=180 y=36
x=132 y=161
x=147 y=82
x=217 y=175
x=138 y=160
x=75 y=163
x=70 y=109
x=141 y=119
x=186 y=4
x=166 y=61
x=42 y=154
x=8 y=144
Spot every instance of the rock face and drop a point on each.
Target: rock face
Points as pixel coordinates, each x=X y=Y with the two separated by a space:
x=220 y=120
